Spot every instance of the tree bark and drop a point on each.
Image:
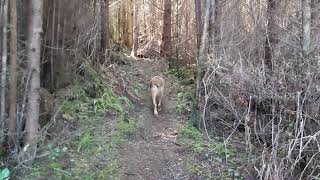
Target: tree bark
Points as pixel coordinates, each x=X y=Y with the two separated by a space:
x=214 y=26
x=130 y=23
x=53 y=30
x=271 y=39
x=135 y=30
x=33 y=52
x=104 y=32
x=211 y=26
x=107 y=24
x=306 y=23
x=165 y=48
x=315 y=18
x=13 y=73
x=217 y=23
x=175 y=61
x=198 y=22
x=186 y=22
x=94 y=7
x=4 y=69
x=201 y=63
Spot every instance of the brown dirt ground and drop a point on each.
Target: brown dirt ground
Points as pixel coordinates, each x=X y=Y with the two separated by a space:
x=154 y=153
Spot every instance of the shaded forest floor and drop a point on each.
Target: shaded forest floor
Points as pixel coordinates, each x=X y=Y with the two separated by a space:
x=154 y=154
x=104 y=129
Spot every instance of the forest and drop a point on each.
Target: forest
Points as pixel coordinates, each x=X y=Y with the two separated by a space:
x=241 y=92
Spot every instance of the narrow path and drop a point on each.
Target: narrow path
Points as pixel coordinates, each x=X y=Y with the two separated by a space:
x=154 y=153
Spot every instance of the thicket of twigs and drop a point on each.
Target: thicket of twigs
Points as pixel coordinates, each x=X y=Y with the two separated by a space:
x=276 y=110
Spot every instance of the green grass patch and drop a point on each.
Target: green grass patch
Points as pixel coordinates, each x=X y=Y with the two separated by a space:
x=223 y=149
x=184 y=101
x=111 y=171
x=197 y=169
x=182 y=82
x=85 y=142
x=108 y=101
x=185 y=75
x=127 y=127
x=124 y=129
x=192 y=137
x=137 y=90
x=189 y=131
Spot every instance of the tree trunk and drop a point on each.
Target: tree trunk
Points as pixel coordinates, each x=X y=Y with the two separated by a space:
x=271 y=39
x=315 y=17
x=130 y=23
x=4 y=69
x=33 y=52
x=94 y=7
x=165 y=48
x=135 y=30
x=13 y=73
x=198 y=22
x=125 y=33
x=213 y=26
x=175 y=61
x=306 y=23
x=107 y=30
x=53 y=30
x=119 y=24
x=102 y=32
x=186 y=23
x=201 y=63
x=217 y=5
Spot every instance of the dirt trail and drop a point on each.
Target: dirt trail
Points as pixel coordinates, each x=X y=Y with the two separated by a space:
x=153 y=154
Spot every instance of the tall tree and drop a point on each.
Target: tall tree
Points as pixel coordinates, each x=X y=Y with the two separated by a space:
x=13 y=72
x=271 y=39
x=107 y=24
x=201 y=61
x=104 y=31
x=178 y=27
x=165 y=48
x=135 y=44
x=94 y=7
x=53 y=37
x=198 y=13
x=129 y=23
x=306 y=24
x=4 y=67
x=217 y=5
x=186 y=19
x=33 y=53
x=315 y=18
x=212 y=25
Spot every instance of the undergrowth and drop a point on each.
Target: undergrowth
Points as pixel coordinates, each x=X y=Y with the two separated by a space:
x=183 y=83
x=207 y=152
x=102 y=122
x=185 y=75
